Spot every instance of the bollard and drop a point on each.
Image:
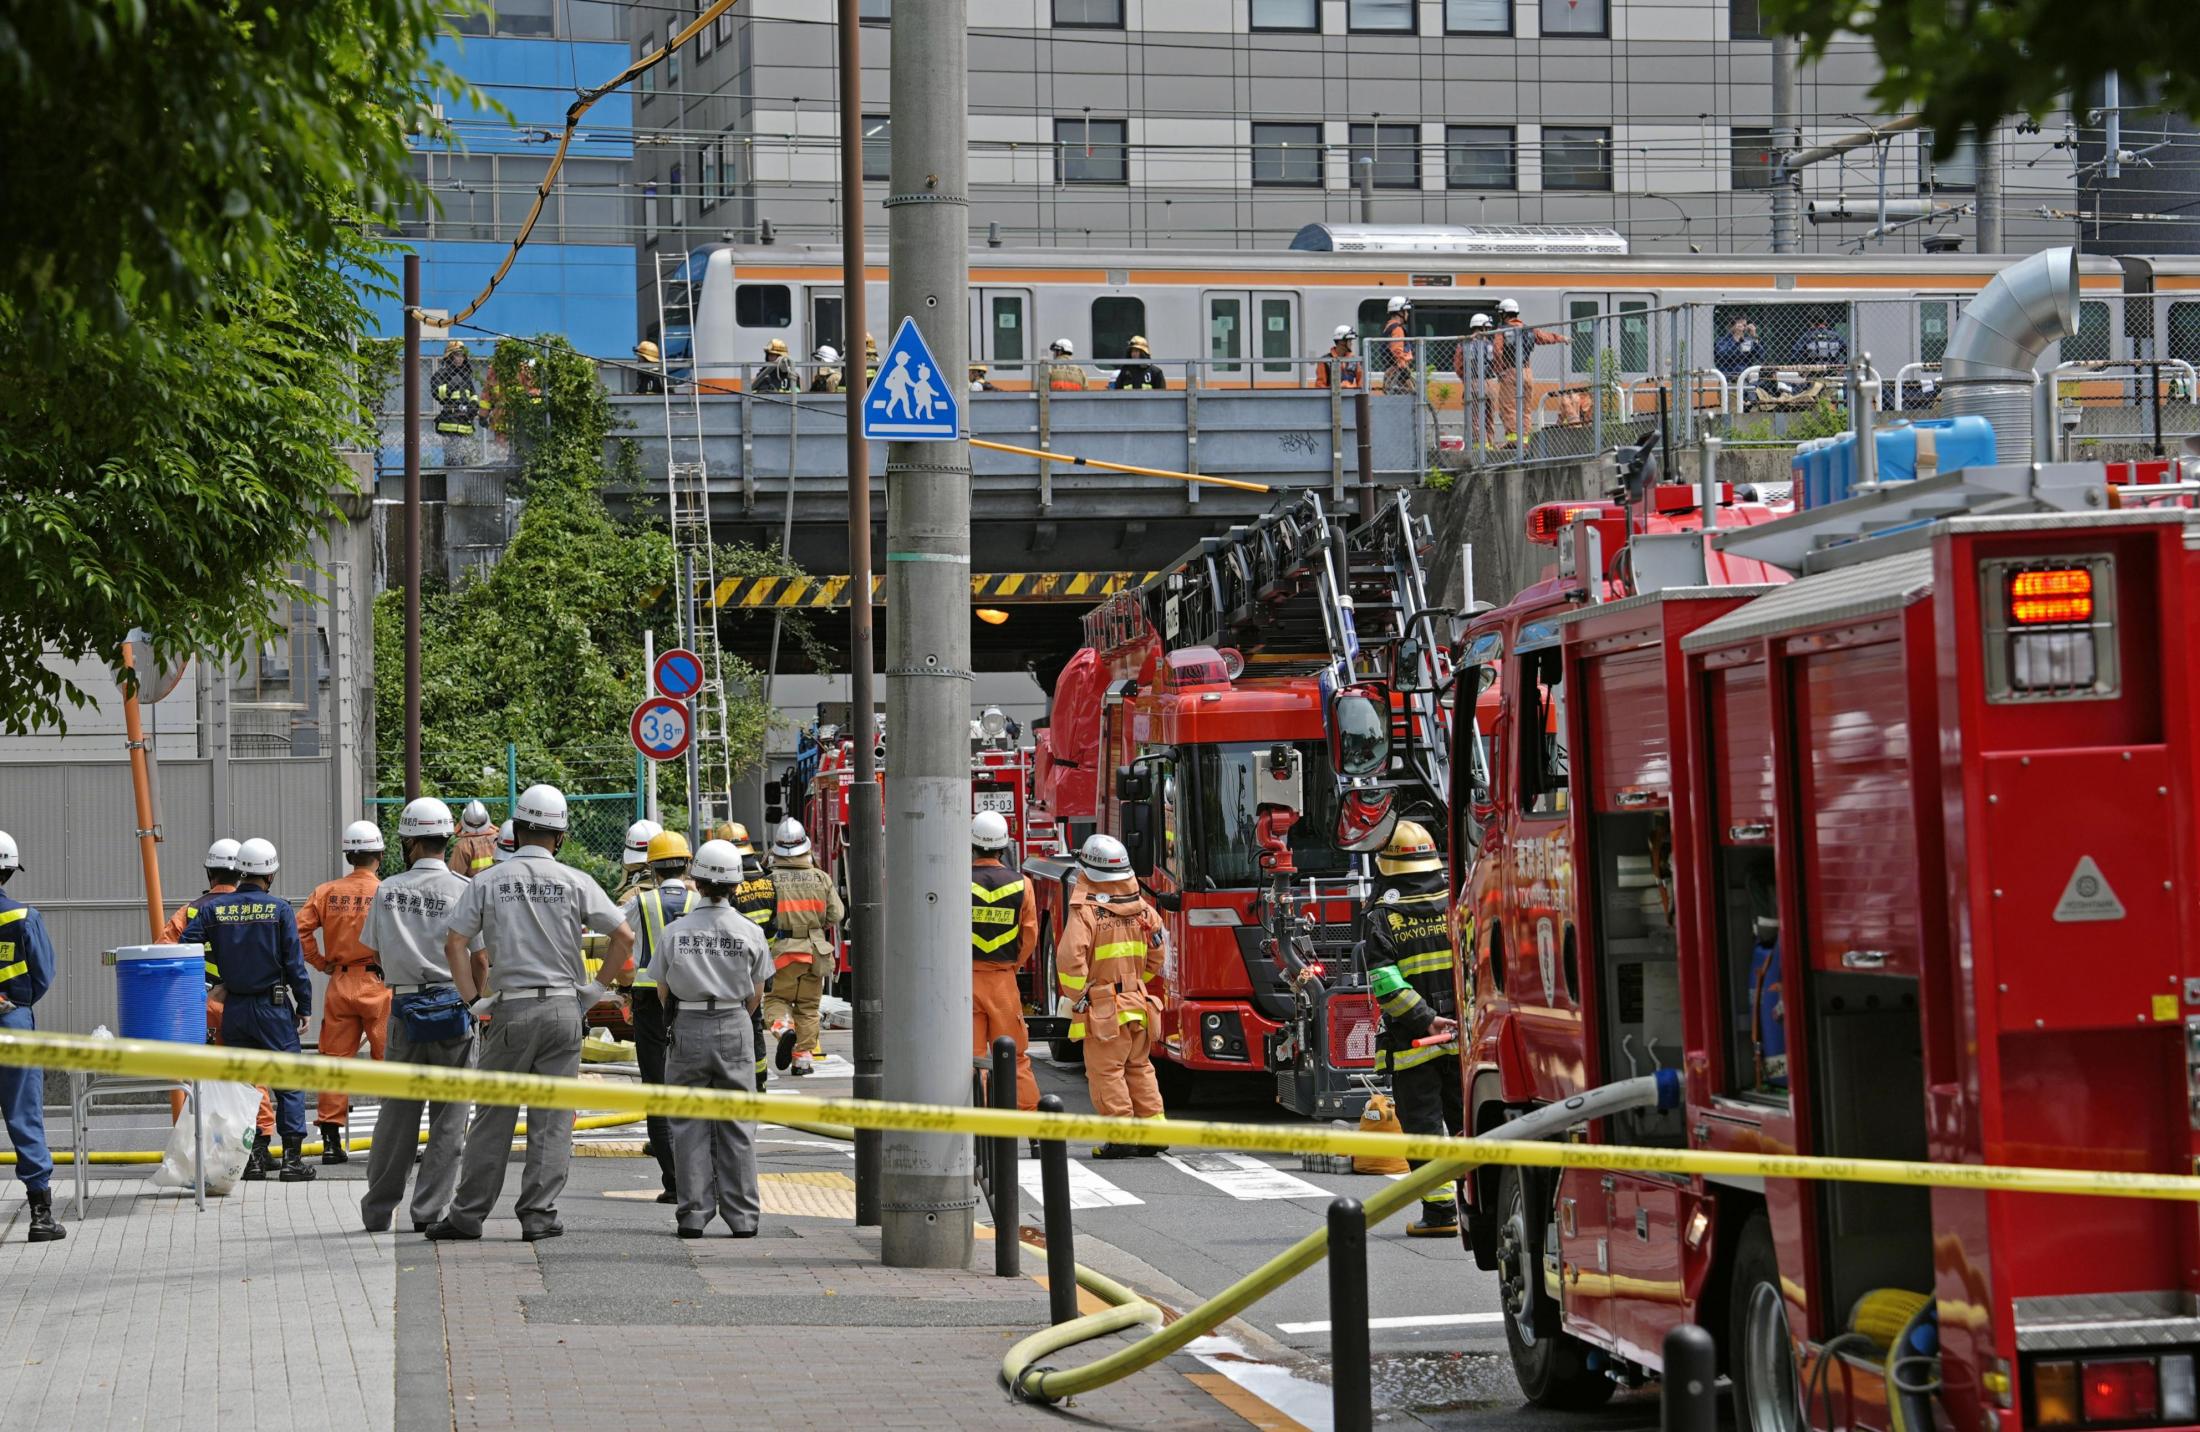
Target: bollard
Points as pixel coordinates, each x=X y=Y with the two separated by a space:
x=1350 y=1395
x=1054 y=1209
x=1007 y=1217
x=1690 y=1399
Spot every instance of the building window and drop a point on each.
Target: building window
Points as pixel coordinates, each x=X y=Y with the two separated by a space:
x=729 y=165
x=672 y=54
x=1092 y=151
x=705 y=38
x=1479 y=156
x=1380 y=17
x=1287 y=156
x=1577 y=157
x=1286 y=15
x=1089 y=14
x=1957 y=173
x=878 y=146
x=649 y=213
x=675 y=192
x=1115 y=321
x=875 y=12
x=1576 y=17
x=706 y=192
x=1742 y=20
x=647 y=84
x=725 y=28
x=762 y=305
x=1478 y=17
x=1396 y=150
x=1751 y=157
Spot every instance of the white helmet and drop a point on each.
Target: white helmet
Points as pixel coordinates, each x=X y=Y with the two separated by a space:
x=1062 y=348
x=1508 y=306
x=507 y=843
x=826 y=354
x=1344 y=333
x=257 y=857
x=718 y=862
x=1104 y=858
x=541 y=806
x=222 y=855
x=638 y=837
x=362 y=837
x=790 y=841
x=989 y=830
x=1398 y=305
x=476 y=819
x=10 y=857
x=426 y=816
x=1479 y=322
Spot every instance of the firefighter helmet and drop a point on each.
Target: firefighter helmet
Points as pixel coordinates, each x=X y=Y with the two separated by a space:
x=507 y=842
x=362 y=837
x=1398 y=305
x=1479 y=322
x=11 y=859
x=426 y=816
x=646 y=351
x=668 y=847
x=718 y=862
x=1411 y=851
x=988 y=831
x=1508 y=306
x=476 y=819
x=1062 y=348
x=222 y=855
x=542 y=807
x=257 y=857
x=737 y=835
x=1344 y=334
x=638 y=837
x=1104 y=858
x=791 y=841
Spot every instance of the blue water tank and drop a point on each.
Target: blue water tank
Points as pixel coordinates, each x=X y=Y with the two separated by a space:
x=1935 y=445
x=160 y=993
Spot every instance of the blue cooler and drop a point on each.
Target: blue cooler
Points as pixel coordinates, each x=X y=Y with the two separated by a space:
x=160 y=993
x=1947 y=445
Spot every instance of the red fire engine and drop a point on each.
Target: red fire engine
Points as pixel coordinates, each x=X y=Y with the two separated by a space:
x=1891 y=860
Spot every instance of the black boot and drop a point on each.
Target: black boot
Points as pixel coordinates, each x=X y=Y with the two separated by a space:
x=295 y=1169
x=43 y=1227
x=257 y=1166
x=332 y=1145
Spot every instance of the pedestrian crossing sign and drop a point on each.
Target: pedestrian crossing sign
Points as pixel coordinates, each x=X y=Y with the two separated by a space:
x=912 y=400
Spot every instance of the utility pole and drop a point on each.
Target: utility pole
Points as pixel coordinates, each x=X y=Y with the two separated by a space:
x=927 y=1201
x=412 y=526
x=1787 y=195
x=865 y=819
x=1990 y=239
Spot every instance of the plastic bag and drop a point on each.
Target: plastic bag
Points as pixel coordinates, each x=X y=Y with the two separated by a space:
x=232 y=1119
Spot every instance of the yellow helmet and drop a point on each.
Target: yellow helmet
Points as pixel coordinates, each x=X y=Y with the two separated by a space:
x=668 y=845
x=1411 y=851
x=735 y=834
x=646 y=351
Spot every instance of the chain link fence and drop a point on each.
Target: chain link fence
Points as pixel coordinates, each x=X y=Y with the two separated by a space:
x=605 y=791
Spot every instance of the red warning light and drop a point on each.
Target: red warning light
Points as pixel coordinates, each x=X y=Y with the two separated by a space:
x=2051 y=596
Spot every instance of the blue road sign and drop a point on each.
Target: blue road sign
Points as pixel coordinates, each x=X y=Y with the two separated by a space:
x=913 y=399
x=678 y=674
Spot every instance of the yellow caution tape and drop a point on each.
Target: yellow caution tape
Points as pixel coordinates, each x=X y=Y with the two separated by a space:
x=357 y=1146
x=156 y=1059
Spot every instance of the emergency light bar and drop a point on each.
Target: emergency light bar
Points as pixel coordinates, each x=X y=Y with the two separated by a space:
x=1547 y=519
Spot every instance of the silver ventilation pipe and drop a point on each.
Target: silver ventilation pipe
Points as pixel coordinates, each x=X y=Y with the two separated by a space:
x=1989 y=368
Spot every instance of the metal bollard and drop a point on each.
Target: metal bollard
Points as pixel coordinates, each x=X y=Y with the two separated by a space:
x=1350 y=1394
x=1061 y=1233
x=1007 y=1216
x=1690 y=1399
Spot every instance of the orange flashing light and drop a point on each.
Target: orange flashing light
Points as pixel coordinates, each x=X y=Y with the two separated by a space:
x=2051 y=596
x=992 y=616
x=1547 y=519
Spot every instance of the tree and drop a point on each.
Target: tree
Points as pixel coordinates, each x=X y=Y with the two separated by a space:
x=193 y=190
x=1966 y=64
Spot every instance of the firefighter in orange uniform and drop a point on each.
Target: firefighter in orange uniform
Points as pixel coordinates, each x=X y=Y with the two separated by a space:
x=357 y=1004
x=1340 y=369
x=1109 y=947
x=221 y=878
x=1004 y=928
x=1397 y=349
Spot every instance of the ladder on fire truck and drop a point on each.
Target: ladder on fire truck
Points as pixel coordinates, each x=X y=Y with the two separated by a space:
x=687 y=499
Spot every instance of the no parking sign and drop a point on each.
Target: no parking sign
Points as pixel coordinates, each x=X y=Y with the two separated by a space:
x=661 y=729
x=677 y=674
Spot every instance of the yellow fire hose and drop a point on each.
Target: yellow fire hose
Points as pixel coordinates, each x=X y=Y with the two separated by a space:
x=153 y=1156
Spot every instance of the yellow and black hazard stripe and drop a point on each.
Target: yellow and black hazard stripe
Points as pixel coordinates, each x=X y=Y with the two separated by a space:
x=770 y=593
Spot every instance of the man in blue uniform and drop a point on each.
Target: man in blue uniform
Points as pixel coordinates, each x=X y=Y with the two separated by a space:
x=252 y=935
x=26 y=973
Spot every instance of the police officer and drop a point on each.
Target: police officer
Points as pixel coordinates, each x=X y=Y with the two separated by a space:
x=531 y=912
x=1109 y=947
x=1409 y=963
x=475 y=850
x=804 y=903
x=428 y=1022
x=26 y=973
x=1004 y=929
x=356 y=1004
x=663 y=898
x=755 y=898
x=267 y=995
x=713 y=962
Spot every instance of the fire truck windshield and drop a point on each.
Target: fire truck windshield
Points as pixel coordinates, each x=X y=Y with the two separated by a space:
x=1226 y=854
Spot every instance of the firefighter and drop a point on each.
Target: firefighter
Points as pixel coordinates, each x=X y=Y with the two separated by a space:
x=870 y=360
x=1512 y=363
x=753 y=897
x=1063 y=373
x=530 y=912
x=1341 y=369
x=827 y=378
x=1477 y=389
x=804 y=902
x=634 y=858
x=428 y=1022
x=458 y=398
x=777 y=375
x=651 y=378
x=475 y=850
x=713 y=963
x=221 y=878
x=356 y=1004
x=663 y=898
x=1109 y=947
x=1398 y=345
x=1004 y=928
x=267 y=995
x=1141 y=371
x=26 y=973
x=1409 y=964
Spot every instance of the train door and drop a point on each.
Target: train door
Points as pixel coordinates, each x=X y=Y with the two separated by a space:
x=1000 y=327
x=1257 y=325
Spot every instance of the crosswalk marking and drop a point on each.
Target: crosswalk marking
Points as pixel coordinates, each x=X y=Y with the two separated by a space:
x=1243 y=1176
x=1087 y=1189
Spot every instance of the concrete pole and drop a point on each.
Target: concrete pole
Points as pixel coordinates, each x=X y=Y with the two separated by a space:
x=928 y=1196
x=1787 y=194
x=412 y=526
x=1990 y=240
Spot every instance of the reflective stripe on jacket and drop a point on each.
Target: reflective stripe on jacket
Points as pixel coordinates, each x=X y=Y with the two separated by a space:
x=1408 y=930
x=653 y=932
x=1004 y=921
x=804 y=905
x=1108 y=949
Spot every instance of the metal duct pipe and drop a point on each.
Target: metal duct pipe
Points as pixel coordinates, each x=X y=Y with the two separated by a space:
x=1989 y=368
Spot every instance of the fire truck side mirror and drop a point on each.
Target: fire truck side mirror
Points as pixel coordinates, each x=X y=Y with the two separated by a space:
x=1133 y=784
x=1359 y=731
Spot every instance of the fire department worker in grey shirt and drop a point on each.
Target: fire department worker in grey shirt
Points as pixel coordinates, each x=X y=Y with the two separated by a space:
x=531 y=912
x=711 y=966
x=428 y=1020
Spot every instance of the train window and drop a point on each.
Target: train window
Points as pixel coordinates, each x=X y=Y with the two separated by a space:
x=1225 y=332
x=1634 y=335
x=1115 y=321
x=2184 y=331
x=1585 y=333
x=2090 y=344
x=1275 y=334
x=1005 y=322
x=1932 y=331
x=763 y=305
x=1372 y=312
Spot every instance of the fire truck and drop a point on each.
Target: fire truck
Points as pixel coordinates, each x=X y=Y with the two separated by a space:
x=1875 y=821
x=1217 y=722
